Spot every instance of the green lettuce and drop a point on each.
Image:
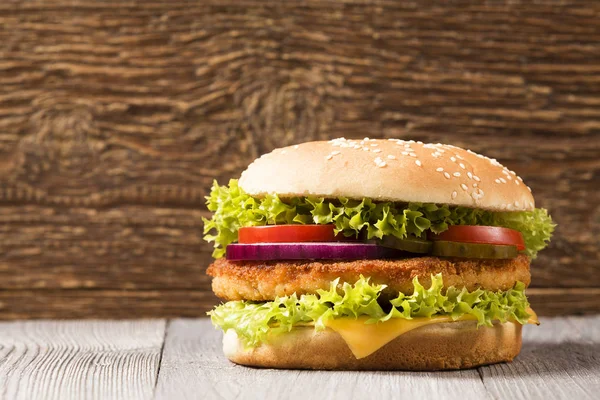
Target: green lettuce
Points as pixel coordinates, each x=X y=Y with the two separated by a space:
x=233 y=208
x=254 y=322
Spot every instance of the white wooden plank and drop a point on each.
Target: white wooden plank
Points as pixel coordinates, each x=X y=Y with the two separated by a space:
x=80 y=359
x=560 y=359
x=588 y=327
x=193 y=366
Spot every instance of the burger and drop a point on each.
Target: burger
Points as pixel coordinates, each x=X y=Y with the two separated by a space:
x=373 y=254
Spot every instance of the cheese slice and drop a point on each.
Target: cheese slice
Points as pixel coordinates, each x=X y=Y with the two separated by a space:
x=533 y=318
x=365 y=339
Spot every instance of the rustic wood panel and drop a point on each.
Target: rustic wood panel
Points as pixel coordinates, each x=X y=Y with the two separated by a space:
x=115 y=118
x=559 y=360
x=80 y=360
x=126 y=247
x=110 y=304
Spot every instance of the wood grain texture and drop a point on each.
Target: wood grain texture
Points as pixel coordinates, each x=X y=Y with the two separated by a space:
x=560 y=359
x=80 y=360
x=109 y=304
x=115 y=118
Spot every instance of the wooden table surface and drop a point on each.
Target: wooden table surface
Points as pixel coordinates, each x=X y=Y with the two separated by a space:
x=144 y=359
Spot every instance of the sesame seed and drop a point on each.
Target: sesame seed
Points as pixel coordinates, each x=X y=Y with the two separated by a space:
x=517 y=203
x=509 y=207
x=418 y=162
x=517 y=183
x=440 y=169
x=357 y=146
x=462 y=165
x=453 y=159
x=475 y=196
x=459 y=157
x=497 y=180
x=470 y=175
x=329 y=157
x=509 y=177
x=476 y=178
x=447 y=175
x=374 y=144
x=391 y=157
x=295 y=146
x=381 y=164
x=457 y=174
x=512 y=173
x=412 y=154
x=454 y=194
x=464 y=187
x=378 y=160
x=365 y=148
x=519 y=178
x=335 y=153
x=377 y=151
x=528 y=188
x=502 y=180
x=366 y=139
x=404 y=153
x=474 y=185
x=283 y=151
x=441 y=150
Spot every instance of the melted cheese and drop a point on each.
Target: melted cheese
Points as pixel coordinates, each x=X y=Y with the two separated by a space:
x=533 y=318
x=365 y=339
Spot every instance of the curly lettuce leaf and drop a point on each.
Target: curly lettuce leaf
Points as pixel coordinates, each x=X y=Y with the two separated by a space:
x=233 y=208
x=536 y=226
x=254 y=322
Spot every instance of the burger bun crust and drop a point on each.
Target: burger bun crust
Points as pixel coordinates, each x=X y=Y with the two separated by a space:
x=443 y=346
x=388 y=170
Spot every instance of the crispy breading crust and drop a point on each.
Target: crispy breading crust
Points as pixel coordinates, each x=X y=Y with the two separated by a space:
x=264 y=280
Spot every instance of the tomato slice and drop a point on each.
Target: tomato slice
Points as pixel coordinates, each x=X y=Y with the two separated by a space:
x=286 y=234
x=482 y=234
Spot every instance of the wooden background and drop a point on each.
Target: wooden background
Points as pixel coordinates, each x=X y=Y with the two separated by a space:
x=116 y=116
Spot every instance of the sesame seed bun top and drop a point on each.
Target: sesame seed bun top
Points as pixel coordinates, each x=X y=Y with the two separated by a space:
x=393 y=170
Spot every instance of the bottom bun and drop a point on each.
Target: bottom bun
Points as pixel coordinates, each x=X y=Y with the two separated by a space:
x=449 y=345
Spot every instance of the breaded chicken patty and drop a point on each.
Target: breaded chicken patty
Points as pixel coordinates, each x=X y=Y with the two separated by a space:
x=265 y=280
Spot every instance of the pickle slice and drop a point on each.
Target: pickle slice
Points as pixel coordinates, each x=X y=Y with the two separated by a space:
x=411 y=245
x=473 y=250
